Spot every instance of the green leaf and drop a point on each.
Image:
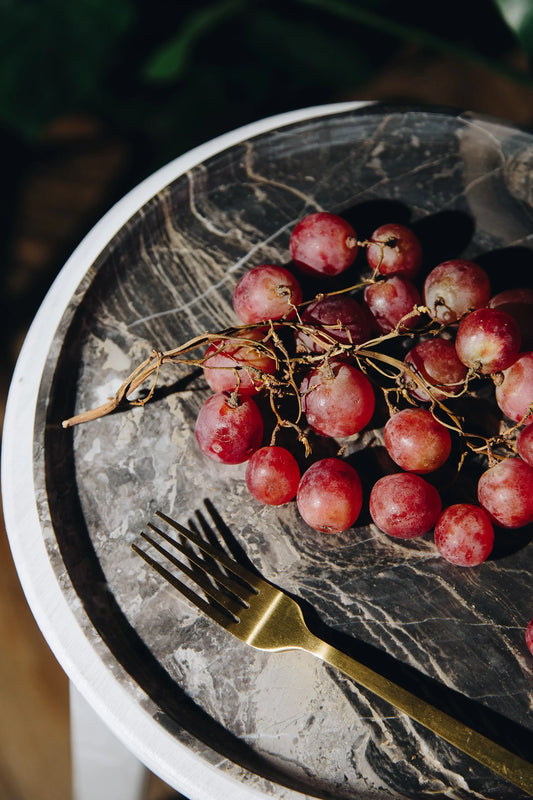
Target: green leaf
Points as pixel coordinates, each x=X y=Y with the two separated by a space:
x=171 y=59
x=518 y=14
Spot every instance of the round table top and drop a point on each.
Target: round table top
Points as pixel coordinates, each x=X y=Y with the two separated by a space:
x=212 y=718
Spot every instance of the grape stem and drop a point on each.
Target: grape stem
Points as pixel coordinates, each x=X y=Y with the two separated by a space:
x=369 y=357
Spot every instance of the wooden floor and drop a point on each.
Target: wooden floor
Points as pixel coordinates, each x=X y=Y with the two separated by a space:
x=70 y=181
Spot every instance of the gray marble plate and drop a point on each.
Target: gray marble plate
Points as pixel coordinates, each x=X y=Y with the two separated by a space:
x=285 y=723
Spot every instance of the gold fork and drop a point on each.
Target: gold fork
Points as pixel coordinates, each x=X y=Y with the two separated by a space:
x=265 y=617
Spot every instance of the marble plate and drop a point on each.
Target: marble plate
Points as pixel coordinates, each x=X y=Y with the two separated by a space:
x=280 y=725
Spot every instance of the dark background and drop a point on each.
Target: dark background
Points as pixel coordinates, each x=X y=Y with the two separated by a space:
x=97 y=94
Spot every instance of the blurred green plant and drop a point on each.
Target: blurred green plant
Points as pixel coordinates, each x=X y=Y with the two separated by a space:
x=173 y=74
x=518 y=15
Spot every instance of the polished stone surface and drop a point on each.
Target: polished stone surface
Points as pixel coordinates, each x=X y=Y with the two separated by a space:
x=284 y=722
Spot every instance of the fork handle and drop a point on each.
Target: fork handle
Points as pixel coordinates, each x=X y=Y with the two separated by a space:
x=514 y=769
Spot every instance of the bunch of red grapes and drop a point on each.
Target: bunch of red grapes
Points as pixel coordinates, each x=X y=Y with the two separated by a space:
x=320 y=364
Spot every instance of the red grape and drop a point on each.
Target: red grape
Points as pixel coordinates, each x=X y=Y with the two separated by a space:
x=515 y=394
x=330 y=495
x=398 y=251
x=437 y=362
x=390 y=300
x=416 y=441
x=524 y=444
x=404 y=505
x=340 y=316
x=272 y=475
x=464 y=534
x=519 y=304
x=506 y=493
x=337 y=399
x=266 y=292
x=229 y=433
x=529 y=636
x=488 y=340
x=454 y=288
x=323 y=244
x=229 y=362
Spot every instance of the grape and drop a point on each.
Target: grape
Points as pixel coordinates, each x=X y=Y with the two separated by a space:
x=337 y=399
x=464 y=535
x=231 y=362
x=390 y=300
x=506 y=493
x=330 y=495
x=515 y=394
x=266 y=292
x=524 y=444
x=272 y=475
x=437 y=362
x=404 y=505
x=519 y=304
x=226 y=432
x=323 y=244
x=328 y=314
x=455 y=287
x=529 y=636
x=399 y=251
x=416 y=441
x=488 y=340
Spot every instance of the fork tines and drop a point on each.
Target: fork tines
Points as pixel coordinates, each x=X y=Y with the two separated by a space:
x=225 y=583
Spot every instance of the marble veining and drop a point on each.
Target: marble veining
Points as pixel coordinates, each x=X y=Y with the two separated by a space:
x=284 y=723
